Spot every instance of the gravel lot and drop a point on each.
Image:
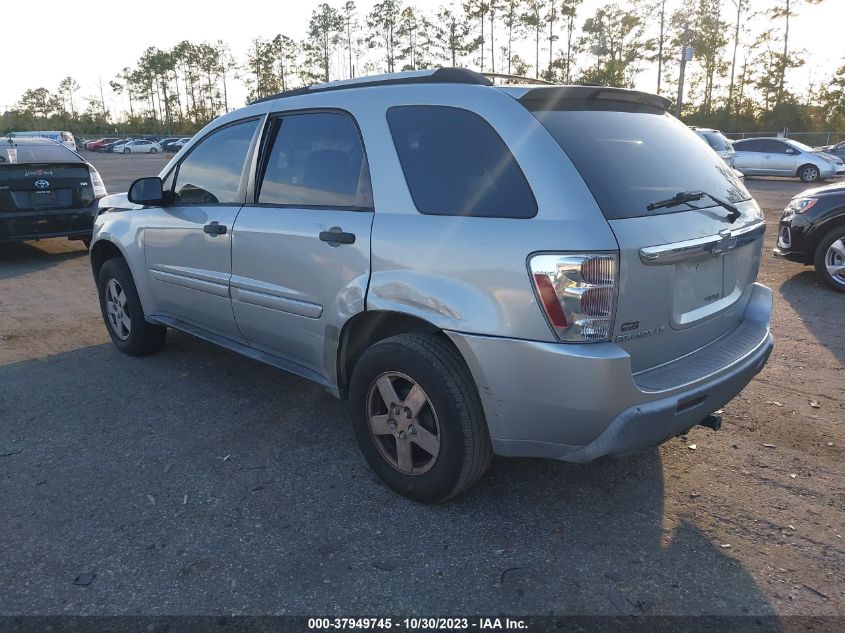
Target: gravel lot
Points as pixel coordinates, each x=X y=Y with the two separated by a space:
x=197 y=482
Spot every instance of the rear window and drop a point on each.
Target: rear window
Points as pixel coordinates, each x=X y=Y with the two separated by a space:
x=632 y=158
x=41 y=153
x=717 y=141
x=456 y=164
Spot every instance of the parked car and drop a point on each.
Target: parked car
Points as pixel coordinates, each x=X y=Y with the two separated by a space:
x=163 y=142
x=108 y=147
x=46 y=190
x=560 y=271
x=718 y=142
x=65 y=138
x=175 y=146
x=137 y=146
x=837 y=150
x=93 y=146
x=785 y=157
x=812 y=232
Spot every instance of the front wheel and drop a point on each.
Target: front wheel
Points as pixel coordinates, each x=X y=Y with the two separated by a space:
x=126 y=150
x=122 y=311
x=830 y=259
x=808 y=173
x=419 y=420
x=153 y=150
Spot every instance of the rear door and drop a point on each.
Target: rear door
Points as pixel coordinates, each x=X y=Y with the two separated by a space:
x=301 y=249
x=685 y=270
x=187 y=243
x=749 y=156
x=778 y=158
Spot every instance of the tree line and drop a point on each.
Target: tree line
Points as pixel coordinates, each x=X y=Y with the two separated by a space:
x=736 y=80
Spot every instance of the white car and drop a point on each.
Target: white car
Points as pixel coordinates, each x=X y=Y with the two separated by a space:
x=138 y=146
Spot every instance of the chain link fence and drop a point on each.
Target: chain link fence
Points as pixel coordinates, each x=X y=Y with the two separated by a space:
x=813 y=139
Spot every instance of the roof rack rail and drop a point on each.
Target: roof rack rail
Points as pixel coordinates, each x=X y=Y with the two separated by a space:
x=522 y=78
x=430 y=76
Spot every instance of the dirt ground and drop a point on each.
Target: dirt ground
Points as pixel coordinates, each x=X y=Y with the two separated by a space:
x=195 y=481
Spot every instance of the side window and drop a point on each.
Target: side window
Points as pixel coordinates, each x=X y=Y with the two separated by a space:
x=748 y=146
x=456 y=164
x=211 y=173
x=774 y=147
x=315 y=159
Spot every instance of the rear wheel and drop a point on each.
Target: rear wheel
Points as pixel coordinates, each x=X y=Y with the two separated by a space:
x=122 y=311
x=830 y=259
x=808 y=173
x=419 y=420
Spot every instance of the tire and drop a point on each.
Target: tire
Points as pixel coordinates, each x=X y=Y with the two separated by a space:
x=449 y=410
x=153 y=150
x=808 y=173
x=831 y=253
x=142 y=338
x=126 y=150
x=87 y=242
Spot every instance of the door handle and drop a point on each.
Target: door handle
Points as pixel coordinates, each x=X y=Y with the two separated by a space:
x=214 y=228
x=336 y=236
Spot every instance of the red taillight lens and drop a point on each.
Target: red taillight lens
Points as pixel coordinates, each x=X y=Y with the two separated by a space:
x=577 y=293
x=549 y=299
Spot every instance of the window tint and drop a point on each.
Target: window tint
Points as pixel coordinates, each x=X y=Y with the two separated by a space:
x=456 y=164
x=630 y=159
x=41 y=153
x=748 y=146
x=717 y=141
x=773 y=147
x=316 y=160
x=211 y=173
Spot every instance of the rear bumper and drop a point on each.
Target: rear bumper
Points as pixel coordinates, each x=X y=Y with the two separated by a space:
x=580 y=402
x=36 y=225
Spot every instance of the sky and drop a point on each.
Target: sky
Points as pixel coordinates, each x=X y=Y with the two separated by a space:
x=96 y=39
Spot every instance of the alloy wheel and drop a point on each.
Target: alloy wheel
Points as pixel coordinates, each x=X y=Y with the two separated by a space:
x=834 y=261
x=809 y=174
x=403 y=423
x=118 y=316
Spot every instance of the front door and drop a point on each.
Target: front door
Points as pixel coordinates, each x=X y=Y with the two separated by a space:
x=778 y=158
x=301 y=250
x=187 y=243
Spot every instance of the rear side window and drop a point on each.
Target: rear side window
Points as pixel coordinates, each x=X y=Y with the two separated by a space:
x=316 y=160
x=211 y=173
x=717 y=141
x=637 y=155
x=456 y=164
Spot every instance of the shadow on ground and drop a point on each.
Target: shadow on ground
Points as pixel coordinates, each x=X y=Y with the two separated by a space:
x=20 y=258
x=194 y=481
x=820 y=309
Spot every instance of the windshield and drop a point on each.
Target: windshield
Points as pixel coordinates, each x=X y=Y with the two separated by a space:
x=632 y=158
x=801 y=146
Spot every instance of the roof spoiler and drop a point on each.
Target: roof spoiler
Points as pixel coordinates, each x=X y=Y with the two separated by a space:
x=552 y=97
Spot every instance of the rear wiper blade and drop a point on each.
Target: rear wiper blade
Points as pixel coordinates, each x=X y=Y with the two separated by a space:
x=684 y=197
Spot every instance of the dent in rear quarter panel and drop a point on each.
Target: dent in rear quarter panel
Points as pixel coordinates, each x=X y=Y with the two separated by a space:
x=470 y=274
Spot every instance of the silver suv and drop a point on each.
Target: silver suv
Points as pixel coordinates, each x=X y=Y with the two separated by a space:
x=563 y=272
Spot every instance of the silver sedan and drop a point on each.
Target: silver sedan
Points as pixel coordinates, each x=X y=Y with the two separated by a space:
x=785 y=157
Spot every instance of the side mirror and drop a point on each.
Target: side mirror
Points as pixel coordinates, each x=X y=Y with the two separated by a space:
x=791 y=151
x=147 y=191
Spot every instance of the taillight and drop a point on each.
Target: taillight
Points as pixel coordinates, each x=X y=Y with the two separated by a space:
x=97 y=183
x=577 y=293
